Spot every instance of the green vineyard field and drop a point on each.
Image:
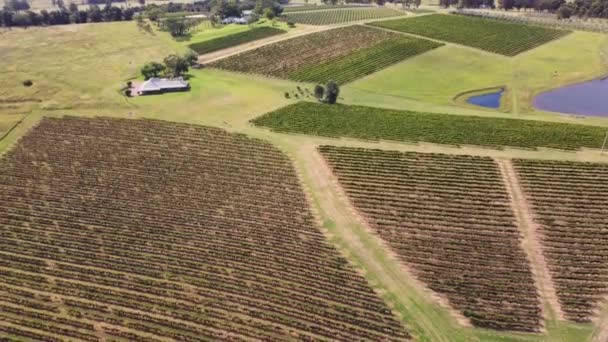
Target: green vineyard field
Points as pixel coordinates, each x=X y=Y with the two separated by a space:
x=495 y=36
x=330 y=17
x=342 y=54
x=235 y=39
x=388 y=124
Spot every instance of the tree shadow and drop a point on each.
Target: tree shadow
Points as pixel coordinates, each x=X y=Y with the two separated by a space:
x=185 y=38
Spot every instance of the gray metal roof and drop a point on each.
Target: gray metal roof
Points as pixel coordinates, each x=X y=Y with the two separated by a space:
x=159 y=84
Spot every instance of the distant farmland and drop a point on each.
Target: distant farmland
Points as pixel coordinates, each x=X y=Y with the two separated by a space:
x=343 y=55
x=145 y=230
x=495 y=36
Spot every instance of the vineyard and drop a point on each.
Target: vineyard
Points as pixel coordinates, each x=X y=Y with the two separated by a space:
x=495 y=36
x=342 y=54
x=292 y=9
x=145 y=230
x=449 y=219
x=234 y=39
x=365 y=61
x=387 y=124
x=570 y=202
x=330 y=17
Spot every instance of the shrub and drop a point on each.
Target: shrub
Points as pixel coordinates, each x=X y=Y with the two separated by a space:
x=128 y=92
x=291 y=24
x=286 y=95
x=129 y=84
x=28 y=83
x=319 y=91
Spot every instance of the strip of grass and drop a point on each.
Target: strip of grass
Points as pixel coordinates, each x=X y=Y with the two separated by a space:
x=235 y=39
x=495 y=36
x=365 y=61
x=386 y=124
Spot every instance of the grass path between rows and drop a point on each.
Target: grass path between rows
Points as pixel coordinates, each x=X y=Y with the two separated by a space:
x=531 y=243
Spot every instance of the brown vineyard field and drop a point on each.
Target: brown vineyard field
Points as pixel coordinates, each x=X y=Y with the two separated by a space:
x=145 y=230
x=570 y=202
x=449 y=219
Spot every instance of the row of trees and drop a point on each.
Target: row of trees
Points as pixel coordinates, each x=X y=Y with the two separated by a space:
x=172 y=66
x=563 y=9
x=69 y=15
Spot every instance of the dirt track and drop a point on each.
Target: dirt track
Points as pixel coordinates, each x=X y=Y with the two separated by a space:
x=531 y=240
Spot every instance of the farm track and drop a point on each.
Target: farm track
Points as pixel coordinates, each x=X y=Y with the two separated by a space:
x=417 y=202
x=531 y=243
x=172 y=249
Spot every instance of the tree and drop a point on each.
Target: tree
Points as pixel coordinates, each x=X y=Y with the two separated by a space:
x=319 y=92
x=176 y=65
x=332 y=90
x=269 y=13
x=72 y=7
x=226 y=8
x=16 y=5
x=22 y=19
x=95 y=14
x=565 y=11
x=191 y=58
x=178 y=27
x=152 y=69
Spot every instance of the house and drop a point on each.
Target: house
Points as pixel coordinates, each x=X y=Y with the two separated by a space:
x=234 y=20
x=163 y=85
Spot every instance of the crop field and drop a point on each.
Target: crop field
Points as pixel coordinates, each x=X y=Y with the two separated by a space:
x=291 y=9
x=449 y=218
x=365 y=61
x=235 y=39
x=330 y=17
x=145 y=230
x=387 y=124
x=570 y=202
x=342 y=54
x=495 y=36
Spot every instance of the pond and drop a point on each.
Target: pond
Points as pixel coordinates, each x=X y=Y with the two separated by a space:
x=587 y=98
x=488 y=100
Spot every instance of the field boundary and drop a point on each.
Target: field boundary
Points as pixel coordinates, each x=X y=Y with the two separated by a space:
x=531 y=242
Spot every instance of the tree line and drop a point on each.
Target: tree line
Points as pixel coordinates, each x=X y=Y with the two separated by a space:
x=17 y=13
x=562 y=8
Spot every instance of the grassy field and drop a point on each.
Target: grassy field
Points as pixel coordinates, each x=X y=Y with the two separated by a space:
x=69 y=80
x=490 y=35
x=74 y=66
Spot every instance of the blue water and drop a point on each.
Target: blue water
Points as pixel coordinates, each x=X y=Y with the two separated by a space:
x=587 y=98
x=489 y=100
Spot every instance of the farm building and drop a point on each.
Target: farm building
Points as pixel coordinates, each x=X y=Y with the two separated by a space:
x=163 y=85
